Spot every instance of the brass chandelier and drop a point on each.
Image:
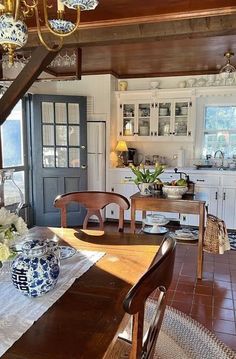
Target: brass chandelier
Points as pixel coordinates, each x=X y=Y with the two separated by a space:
x=14 y=31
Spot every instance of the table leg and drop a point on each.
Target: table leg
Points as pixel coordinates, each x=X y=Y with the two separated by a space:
x=132 y=223
x=200 y=241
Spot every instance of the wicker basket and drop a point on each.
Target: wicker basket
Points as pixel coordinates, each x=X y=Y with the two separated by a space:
x=215 y=237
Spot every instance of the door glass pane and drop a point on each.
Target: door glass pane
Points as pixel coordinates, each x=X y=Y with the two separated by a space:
x=48 y=157
x=48 y=135
x=181 y=118
x=73 y=113
x=12 y=138
x=74 y=157
x=74 y=135
x=128 y=119
x=144 y=119
x=47 y=112
x=61 y=135
x=61 y=115
x=61 y=157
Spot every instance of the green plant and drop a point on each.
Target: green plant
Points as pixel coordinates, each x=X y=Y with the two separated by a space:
x=145 y=175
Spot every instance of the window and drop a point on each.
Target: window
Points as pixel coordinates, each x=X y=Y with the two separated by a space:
x=12 y=145
x=220 y=130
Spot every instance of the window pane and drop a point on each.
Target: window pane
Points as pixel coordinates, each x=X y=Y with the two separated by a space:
x=74 y=157
x=61 y=135
x=61 y=157
x=48 y=135
x=48 y=157
x=61 y=116
x=74 y=134
x=12 y=138
x=73 y=113
x=220 y=117
x=47 y=112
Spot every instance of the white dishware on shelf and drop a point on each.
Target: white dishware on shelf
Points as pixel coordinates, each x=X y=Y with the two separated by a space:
x=184 y=110
x=154 y=84
x=163 y=111
x=191 y=82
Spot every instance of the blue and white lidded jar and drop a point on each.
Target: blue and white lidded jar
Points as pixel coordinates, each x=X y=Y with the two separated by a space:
x=35 y=271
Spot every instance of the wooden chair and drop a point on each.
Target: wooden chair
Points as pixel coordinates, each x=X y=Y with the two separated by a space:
x=94 y=202
x=146 y=314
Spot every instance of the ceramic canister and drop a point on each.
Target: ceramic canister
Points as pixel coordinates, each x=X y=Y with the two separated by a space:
x=35 y=271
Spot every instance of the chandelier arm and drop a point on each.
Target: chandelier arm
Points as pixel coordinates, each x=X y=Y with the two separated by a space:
x=54 y=48
x=16 y=10
x=54 y=32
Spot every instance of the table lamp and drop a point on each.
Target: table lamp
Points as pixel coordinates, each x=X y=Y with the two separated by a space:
x=121 y=147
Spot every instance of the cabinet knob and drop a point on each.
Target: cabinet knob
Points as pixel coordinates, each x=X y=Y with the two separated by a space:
x=155 y=133
x=224 y=196
x=216 y=196
x=189 y=133
x=200 y=180
x=112 y=190
x=83 y=167
x=151 y=133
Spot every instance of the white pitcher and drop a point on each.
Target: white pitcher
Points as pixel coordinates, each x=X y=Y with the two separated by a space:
x=144 y=189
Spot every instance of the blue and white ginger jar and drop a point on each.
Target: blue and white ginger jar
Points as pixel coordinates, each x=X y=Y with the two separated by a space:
x=35 y=271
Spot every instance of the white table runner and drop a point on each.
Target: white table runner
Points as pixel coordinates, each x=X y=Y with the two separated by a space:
x=18 y=312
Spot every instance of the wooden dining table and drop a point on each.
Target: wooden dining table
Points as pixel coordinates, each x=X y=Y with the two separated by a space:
x=85 y=321
x=188 y=204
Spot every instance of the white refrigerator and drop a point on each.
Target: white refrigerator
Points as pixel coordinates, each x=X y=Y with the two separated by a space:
x=96 y=143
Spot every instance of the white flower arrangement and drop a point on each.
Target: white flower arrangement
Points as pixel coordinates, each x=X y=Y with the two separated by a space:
x=11 y=226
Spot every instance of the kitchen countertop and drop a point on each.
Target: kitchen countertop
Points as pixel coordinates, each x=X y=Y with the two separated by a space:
x=213 y=170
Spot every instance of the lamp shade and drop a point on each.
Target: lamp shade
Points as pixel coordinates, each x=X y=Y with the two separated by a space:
x=121 y=146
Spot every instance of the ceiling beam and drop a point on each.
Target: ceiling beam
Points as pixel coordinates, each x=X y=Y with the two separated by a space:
x=159 y=31
x=40 y=59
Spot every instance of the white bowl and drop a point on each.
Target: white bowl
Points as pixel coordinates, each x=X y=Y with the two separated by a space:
x=174 y=191
x=155 y=218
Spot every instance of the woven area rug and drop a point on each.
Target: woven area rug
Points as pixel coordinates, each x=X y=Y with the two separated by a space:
x=181 y=337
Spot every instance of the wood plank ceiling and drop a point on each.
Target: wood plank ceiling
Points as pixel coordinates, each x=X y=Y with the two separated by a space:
x=139 y=38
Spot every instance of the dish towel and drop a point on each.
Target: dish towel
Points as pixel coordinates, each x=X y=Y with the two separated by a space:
x=14 y=305
x=216 y=237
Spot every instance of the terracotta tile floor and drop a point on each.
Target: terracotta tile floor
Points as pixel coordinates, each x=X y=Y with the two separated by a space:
x=212 y=300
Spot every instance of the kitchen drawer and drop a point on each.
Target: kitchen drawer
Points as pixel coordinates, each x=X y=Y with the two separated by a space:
x=205 y=180
x=168 y=177
x=119 y=176
x=229 y=181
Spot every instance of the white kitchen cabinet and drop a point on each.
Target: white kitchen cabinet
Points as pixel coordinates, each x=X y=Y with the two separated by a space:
x=172 y=119
x=135 y=119
x=153 y=115
x=228 y=208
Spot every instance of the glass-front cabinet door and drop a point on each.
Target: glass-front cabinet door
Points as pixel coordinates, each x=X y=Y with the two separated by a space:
x=181 y=116
x=128 y=116
x=164 y=118
x=135 y=118
x=144 y=117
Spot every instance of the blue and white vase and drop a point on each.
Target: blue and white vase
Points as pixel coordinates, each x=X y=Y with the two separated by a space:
x=35 y=271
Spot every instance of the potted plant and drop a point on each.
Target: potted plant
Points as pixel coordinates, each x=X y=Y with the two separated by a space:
x=146 y=177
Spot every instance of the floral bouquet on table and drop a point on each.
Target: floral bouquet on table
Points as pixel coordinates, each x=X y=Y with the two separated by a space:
x=146 y=177
x=11 y=227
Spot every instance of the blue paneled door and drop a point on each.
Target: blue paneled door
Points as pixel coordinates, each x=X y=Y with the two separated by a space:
x=59 y=155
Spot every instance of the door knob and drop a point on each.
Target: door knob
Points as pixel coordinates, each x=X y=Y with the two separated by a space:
x=83 y=167
x=83 y=147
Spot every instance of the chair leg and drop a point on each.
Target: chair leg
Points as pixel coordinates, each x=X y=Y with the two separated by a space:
x=90 y=213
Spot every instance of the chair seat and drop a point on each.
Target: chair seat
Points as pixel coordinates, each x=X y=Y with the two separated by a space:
x=181 y=337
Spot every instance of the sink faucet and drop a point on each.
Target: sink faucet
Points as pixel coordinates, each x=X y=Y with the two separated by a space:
x=220 y=156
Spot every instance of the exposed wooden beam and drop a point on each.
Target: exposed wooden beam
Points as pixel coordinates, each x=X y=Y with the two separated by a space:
x=159 y=31
x=40 y=58
x=78 y=68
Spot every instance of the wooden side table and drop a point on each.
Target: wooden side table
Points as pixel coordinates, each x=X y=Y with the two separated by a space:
x=189 y=204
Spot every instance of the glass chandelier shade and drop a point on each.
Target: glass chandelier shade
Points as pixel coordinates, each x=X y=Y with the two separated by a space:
x=14 y=32
x=228 y=67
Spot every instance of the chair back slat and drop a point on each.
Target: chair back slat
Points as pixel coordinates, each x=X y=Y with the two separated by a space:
x=158 y=279
x=94 y=202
